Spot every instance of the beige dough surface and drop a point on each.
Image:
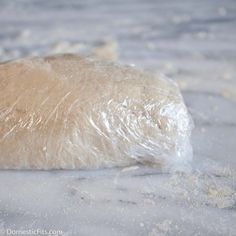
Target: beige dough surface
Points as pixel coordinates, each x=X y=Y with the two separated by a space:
x=69 y=112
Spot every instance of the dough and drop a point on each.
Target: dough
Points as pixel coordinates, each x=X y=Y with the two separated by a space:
x=69 y=112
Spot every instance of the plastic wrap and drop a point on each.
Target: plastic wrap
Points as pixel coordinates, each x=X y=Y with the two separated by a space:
x=68 y=112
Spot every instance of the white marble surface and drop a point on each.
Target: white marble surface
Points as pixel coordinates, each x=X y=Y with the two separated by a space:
x=191 y=41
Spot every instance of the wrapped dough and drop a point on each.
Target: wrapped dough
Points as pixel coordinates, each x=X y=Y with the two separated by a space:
x=69 y=112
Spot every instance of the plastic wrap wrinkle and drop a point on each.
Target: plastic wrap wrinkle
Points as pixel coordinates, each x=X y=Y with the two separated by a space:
x=69 y=112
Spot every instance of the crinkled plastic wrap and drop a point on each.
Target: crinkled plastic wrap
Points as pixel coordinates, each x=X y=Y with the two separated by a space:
x=69 y=112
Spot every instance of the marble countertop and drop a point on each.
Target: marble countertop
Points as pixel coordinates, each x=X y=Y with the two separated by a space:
x=192 y=42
